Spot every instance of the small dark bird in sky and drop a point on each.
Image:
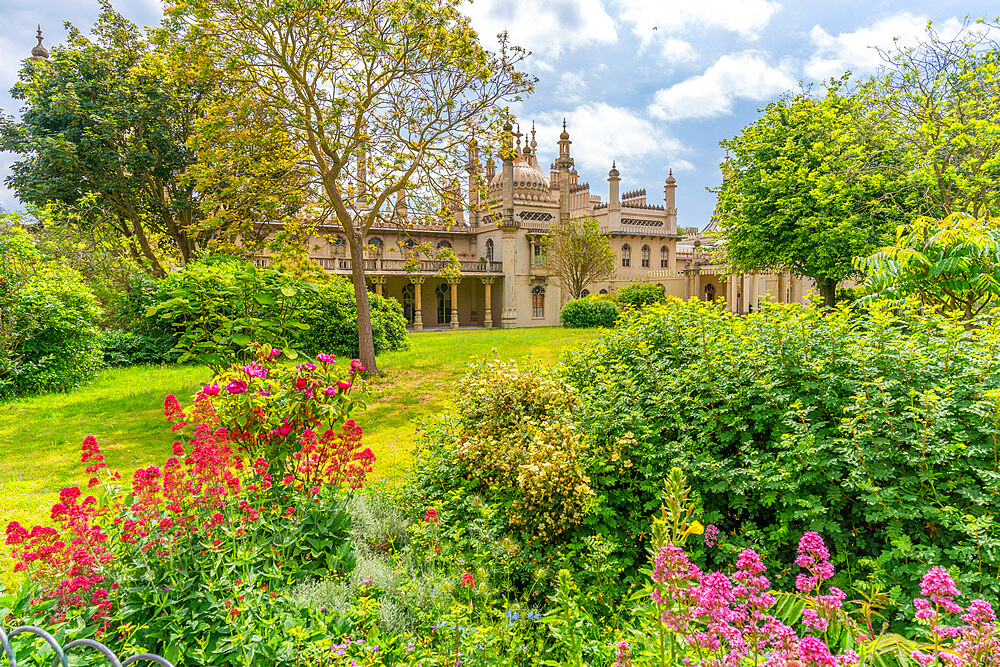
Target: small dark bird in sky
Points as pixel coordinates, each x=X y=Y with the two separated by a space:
x=654 y=27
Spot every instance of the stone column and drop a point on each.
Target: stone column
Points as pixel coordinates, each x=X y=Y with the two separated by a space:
x=379 y=281
x=687 y=284
x=418 y=305
x=454 y=301
x=781 y=287
x=488 y=311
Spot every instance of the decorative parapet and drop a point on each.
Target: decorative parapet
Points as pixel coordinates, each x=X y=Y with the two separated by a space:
x=395 y=266
x=61 y=652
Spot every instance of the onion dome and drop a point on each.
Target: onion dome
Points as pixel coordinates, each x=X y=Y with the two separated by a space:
x=614 y=171
x=39 y=51
x=564 y=134
x=670 y=178
x=530 y=182
x=507 y=127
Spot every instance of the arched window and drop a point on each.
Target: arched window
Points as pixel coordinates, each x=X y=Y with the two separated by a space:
x=376 y=247
x=409 y=302
x=645 y=256
x=443 y=293
x=664 y=257
x=584 y=293
x=539 y=257
x=443 y=244
x=489 y=250
x=626 y=255
x=339 y=246
x=710 y=292
x=538 y=301
x=604 y=291
x=409 y=243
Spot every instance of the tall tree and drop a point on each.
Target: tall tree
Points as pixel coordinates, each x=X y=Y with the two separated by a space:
x=382 y=97
x=940 y=101
x=105 y=134
x=578 y=254
x=798 y=196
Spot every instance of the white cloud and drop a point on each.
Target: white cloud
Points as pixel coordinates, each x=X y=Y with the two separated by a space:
x=855 y=50
x=602 y=133
x=571 y=87
x=547 y=27
x=657 y=23
x=734 y=76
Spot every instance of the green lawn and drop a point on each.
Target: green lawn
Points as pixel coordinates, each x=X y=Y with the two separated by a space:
x=123 y=408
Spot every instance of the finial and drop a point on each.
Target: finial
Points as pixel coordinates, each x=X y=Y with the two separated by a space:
x=39 y=51
x=614 y=173
x=670 y=172
x=565 y=134
x=564 y=123
x=534 y=144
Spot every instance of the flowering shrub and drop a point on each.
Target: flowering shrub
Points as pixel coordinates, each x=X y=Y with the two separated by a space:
x=211 y=538
x=514 y=439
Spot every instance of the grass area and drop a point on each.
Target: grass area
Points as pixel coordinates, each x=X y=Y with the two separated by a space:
x=123 y=408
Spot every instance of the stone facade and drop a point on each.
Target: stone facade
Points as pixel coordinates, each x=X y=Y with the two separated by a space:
x=504 y=281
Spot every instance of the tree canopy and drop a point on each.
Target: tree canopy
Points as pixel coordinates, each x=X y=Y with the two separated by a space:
x=105 y=135
x=381 y=98
x=797 y=195
x=578 y=254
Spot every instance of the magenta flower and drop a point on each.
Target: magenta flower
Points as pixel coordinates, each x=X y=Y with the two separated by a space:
x=343 y=386
x=212 y=389
x=325 y=358
x=330 y=391
x=275 y=352
x=236 y=387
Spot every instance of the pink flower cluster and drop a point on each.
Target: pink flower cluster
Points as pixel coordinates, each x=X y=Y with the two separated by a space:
x=974 y=637
x=724 y=620
x=333 y=458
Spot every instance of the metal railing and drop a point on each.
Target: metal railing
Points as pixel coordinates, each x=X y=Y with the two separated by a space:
x=343 y=265
x=6 y=650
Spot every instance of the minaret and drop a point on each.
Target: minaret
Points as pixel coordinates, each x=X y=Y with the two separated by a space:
x=509 y=229
x=534 y=148
x=614 y=201
x=670 y=203
x=564 y=163
x=474 y=184
x=39 y=52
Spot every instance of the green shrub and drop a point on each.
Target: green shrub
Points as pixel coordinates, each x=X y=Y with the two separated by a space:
x=216 y=309
x=879 y=432
x=640 y=295
x=590 y=311
x=47 y=328
x=332 y=316
x=128 y=348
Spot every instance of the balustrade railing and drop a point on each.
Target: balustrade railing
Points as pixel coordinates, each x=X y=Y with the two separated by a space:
x=343 y=264
x=61 y=652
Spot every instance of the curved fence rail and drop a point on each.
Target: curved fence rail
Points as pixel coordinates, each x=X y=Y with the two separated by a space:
x=6 y=650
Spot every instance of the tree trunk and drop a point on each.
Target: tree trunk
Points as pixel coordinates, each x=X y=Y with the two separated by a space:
x=828 y=290
x=366 y=343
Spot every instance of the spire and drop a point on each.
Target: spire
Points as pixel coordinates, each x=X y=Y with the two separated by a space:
x=565 y=134
x=39 y=51
x=534 y=144
x=614 y=173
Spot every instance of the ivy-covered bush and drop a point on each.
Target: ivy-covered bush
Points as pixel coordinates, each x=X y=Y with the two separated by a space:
x=48 y=337
x=639 y=295
x=879 y=431
x=590 y=311
x=331 y=313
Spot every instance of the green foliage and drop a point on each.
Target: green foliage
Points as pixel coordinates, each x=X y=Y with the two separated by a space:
x=877 y=431
x=798 y=195
x=579 y=254
x=640 y=295
x=218 y=309
x=48 y=325
x=331 y=312
x=590 y=311
x=951 y=264
x=127 y=348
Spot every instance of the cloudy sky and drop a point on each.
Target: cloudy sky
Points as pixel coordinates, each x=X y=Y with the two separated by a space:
x=653 y=84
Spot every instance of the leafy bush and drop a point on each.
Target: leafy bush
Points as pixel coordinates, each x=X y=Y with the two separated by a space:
x=48 y=337
x=217 y=308
x=640 y=295
x=590 y=311
x=128 y=348
x=332 y=316
x=876 y=430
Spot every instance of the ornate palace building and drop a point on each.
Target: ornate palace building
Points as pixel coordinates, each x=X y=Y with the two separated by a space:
x=504 y=281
